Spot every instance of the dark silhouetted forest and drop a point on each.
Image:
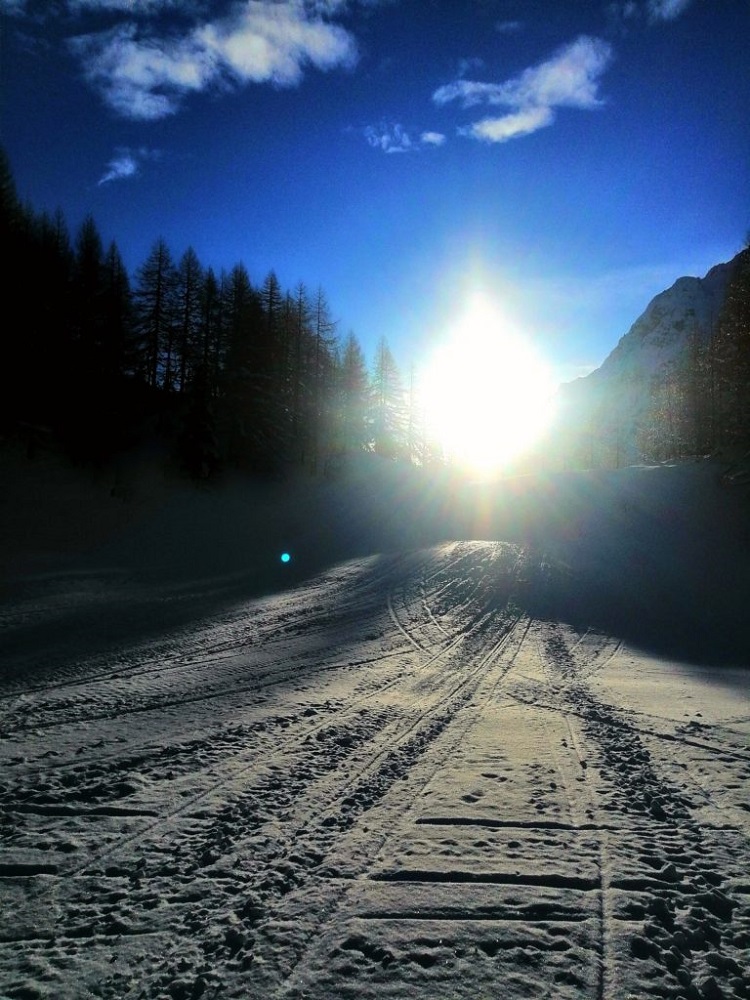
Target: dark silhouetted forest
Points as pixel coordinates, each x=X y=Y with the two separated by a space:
x=225 y=372
x=222 y=371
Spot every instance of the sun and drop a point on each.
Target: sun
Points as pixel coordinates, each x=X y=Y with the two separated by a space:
x=487 y=395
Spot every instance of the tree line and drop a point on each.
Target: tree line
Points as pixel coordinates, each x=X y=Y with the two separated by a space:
x=227 y=372
x=233 y=374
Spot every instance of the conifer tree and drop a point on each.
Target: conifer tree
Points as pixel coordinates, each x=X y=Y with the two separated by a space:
x=17 y=397
x=118 y=316
x=352 y=399
x=300 y=375
x=250 y=419
x=86 y=425
x=88 y=292
x=155 y=315
x=51 y=328
x=388 y=417
x=322 y=380
x=188 y=287
x=211 y=328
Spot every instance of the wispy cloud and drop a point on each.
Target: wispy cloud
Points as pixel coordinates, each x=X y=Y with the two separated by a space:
x=143 y=78
x=653 y=11
x=389 y=138
x=142 y=75
x=569 y=79
x=132 y=7
x=42 y=11
x=508 y=27
x=394 y=138
x=468 y=65
x=126 y=163
x=666 y=10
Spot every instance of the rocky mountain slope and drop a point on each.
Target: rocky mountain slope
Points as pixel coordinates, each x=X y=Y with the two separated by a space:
x=604 y=414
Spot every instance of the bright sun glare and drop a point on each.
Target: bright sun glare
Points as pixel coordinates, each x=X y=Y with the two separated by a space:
x=487 y=394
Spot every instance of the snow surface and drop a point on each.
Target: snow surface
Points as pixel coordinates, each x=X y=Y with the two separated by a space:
x=482 y=740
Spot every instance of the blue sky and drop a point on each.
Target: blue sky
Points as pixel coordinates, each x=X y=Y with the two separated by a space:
x=568 y=159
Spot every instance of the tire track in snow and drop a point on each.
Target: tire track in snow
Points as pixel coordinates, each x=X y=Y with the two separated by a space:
x=265 y=627
x=362 y=597
x=669 y=869
x=371 y=779
x=94 y=783
x=321 y=940
x=466 y=692
x=237 y=773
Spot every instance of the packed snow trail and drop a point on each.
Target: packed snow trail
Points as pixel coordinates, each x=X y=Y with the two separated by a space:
x=400 y=779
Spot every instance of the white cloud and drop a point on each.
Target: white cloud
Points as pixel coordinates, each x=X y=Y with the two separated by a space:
x=666 y=10
x=123 y=165
x=126 y=163
x=272 y=42
x=569 y=79
x=394 y=138
x=469 y=92
x=652 y=10
x=389 y=138
x=511 y=126
x=144 y=76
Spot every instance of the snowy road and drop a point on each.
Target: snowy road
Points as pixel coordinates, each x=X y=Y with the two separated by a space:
x=399 y=779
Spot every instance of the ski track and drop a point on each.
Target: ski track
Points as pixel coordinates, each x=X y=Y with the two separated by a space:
x=389 y=782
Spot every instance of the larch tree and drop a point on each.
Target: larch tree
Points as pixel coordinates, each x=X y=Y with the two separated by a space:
x=211 y=345
x=297 y=353
x=88 y=292
x=154 y=297
x=388 y=409
x=351 y=402
x=188 y=288
x=249 y=404
x=118 y=315
x=50 y=318
x=322 y=351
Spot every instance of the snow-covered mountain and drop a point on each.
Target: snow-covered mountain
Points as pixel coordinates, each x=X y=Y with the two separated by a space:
x=660 y=335
x=603 y=413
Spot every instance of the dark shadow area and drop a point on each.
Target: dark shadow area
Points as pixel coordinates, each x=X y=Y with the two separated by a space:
x=657 y=556
x=88 y=570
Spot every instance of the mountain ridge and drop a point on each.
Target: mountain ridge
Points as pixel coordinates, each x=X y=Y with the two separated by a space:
x=605 y=415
